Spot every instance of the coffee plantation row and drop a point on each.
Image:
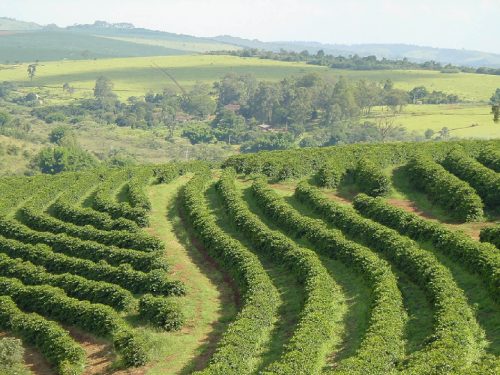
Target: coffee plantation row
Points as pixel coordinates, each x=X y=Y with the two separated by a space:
x=75 y=252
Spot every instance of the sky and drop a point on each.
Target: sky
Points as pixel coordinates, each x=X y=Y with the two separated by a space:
x=468 y=24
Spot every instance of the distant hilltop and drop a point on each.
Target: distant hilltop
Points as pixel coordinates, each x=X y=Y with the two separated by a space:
x=103 y=25
x=122 y=37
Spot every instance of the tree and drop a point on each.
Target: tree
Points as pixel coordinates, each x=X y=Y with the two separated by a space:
x=31 y=71
x=63 y=136
x=429 y=133
x=418 y=93
x=264 y=102
x=495 y=105
x=199 y=133
x=229 y=126
x=104 y=89
x=198 y=101
x=53 y=160
x=495 y=98
x=386 y=126
x=235 y=89
x=395 y=99
x=495 y=109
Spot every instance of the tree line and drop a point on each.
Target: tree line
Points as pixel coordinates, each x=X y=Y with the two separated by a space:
x=354 y=62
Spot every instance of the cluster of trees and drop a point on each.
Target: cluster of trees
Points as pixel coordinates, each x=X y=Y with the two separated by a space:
x=354 y=62
x=253 y=113
x=420 y=94
x=166 y=109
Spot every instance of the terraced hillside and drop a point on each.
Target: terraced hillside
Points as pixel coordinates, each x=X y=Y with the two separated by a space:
x=365 y=259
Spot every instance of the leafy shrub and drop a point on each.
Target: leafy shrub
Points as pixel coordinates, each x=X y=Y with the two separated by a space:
x=241 y=342
x=490 y=158
x=451 y=344
x=485 y=181
x=479 y=258
x=161 y=312
x=96 y=318
x=306 y=348
x=330 y=176
x=370 y=178
x=444 y=189
x=382 y=344
x=55 y=344
x=491 y=235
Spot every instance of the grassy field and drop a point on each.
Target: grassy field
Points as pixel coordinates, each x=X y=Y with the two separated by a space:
x=136 y=76
x=459 y=118
x=209 y=304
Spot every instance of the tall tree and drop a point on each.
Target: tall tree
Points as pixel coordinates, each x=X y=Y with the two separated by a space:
x=103 y=88
x=495 y=105
x=31 y=71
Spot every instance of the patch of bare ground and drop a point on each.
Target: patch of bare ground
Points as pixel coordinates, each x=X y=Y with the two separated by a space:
x=33 y=359
x=472 y=229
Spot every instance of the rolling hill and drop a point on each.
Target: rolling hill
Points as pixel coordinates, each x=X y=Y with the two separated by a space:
x=26 y=41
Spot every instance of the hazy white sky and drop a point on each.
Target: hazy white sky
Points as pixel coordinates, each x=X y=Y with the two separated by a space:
x=470 y=24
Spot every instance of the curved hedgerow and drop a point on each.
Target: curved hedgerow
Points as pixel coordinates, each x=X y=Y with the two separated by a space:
x=317 y=328
x=98 y=319
x=480 y=258
x=55 y=344
x=74 y=286
x=136 y=194
x=370 y=179
x=306 y=161
x=454 y=344
x=382 y=346
x=123 y=239
x=491 y=235
x=154 y=282
x=444 y=189
x=65 y=211
x=490 y=158
x=104 y=200
x=243 y=339
x=75 y=247
x=485 y=181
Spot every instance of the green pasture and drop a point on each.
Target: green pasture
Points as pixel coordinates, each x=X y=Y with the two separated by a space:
x=138 y=75
x=468 y=86
x=464 y=121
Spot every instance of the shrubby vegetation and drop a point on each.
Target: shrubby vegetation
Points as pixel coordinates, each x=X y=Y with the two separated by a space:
x=452 y=345
x=490 y=158
x=382 y=345
x=479 y=258
x=317 y=326
x=444 y=189
x=242 y=341
x=370 y=179
x=492 y=235
x=305 y=162
x=485 y=181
